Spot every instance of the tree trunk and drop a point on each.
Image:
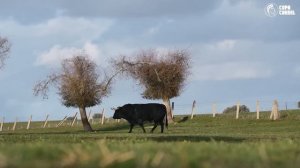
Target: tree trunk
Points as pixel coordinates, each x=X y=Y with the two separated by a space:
x=85 y=123
x=167 y=103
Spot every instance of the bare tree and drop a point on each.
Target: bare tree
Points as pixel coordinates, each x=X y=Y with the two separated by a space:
x=162 y=75
x=79 y=85
x=4 y=50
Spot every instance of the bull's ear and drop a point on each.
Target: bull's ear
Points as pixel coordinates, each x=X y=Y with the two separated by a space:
x=113 y=108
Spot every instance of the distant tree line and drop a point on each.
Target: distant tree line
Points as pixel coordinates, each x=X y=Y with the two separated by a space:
x=232 y=109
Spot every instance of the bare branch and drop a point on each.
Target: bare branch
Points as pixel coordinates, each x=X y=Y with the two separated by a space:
x=4 y=50
x=42 y=87
x=109 y=80
x=133 y=65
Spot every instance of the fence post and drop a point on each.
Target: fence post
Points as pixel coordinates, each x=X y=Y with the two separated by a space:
x=286 y=106
x=237 y=110
x=193 y=109
x=62 y=121
x=102 y=117
x=257 y=109
x=275 y=114
x=29 y=121
x=172 y=109
x=89 y=116
x=75 y=117
x=214 y=109
x=272 y=111
x=46 y=121
x=2 y=123
x=14 y=127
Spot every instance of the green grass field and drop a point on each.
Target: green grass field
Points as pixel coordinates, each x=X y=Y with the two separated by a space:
x=201 y=142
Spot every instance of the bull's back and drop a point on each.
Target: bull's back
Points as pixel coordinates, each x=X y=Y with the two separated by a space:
x=151 y=111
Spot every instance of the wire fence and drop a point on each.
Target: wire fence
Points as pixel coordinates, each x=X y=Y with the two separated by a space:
x=208 y=107
x=194 y=108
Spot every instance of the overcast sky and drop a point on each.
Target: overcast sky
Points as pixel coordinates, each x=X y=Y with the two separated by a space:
x=238 y=52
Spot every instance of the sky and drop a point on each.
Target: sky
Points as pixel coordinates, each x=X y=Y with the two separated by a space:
x=238 y=53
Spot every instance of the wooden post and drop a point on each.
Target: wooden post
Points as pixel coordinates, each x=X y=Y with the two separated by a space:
x=286 y=106
x=272 y=112
x=257 y=109
x=46 y=121
x=75 y=117
x=2 y=123
x=275 y=113
x=172 y=105
x=237 y=110
x=62 y=121
x=193 y=109
x=29 y=121
x=214 y=109
x=172 y=108
x=89 y=116
x=102 y=117
x=14 y=127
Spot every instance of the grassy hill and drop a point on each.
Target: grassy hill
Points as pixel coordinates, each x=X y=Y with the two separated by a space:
x=203 y=141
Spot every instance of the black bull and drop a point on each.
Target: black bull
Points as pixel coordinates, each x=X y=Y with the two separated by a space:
x=139 y=113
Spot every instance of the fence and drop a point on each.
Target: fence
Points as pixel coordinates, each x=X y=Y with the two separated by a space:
x=195 y=108
x=71 y=121
x=214 y=108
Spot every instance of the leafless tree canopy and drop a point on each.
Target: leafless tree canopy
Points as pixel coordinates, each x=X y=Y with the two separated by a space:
x=78 y=83
x=163 y=75
x=4 y=50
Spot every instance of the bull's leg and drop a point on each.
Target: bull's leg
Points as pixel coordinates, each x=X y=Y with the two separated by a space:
x=161 y=127
x=131 y=126
x=142 y=125
x=155 y=125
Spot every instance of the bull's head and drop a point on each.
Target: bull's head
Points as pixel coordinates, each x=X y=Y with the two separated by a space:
x=118 y=113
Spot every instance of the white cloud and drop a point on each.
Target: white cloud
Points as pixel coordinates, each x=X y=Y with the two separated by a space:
x=56 y=54
x=58 y=38
x=58 y=30
x=231 y=71
x=100 y=53
x=81 y=28
x=222 y=45
x=152 y=30
x=226 y=44
x=156 y=28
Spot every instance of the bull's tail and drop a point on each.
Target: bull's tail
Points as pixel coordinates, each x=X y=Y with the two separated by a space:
x=166 y=120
